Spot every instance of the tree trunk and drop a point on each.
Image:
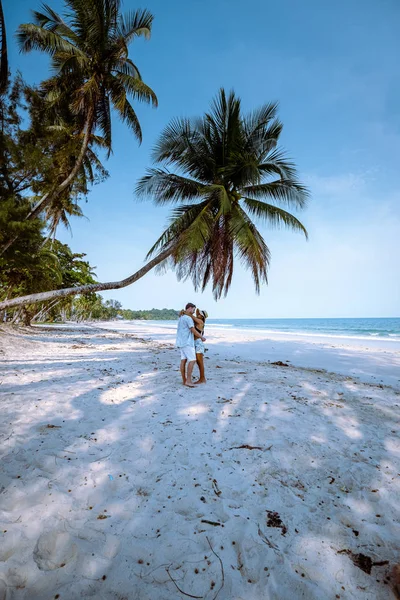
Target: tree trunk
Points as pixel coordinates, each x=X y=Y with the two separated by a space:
x=27 y=317
x=3 y=53
x=16 y=316
x=50 y=196
x=83 y=289
x=44 y=310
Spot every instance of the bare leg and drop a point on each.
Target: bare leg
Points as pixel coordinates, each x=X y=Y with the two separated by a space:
x=183 y=371
x=200 y=364
x=189 y=382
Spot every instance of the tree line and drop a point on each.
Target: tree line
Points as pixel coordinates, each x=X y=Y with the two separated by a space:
x=222 y=171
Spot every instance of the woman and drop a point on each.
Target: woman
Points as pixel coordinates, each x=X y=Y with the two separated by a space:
x=199 y=322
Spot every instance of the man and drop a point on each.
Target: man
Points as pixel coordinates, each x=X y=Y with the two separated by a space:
x=185 y=342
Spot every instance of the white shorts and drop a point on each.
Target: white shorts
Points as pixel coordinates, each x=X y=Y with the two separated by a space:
x=188 y=353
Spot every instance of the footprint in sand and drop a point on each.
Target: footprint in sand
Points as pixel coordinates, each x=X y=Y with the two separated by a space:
x=54 y=550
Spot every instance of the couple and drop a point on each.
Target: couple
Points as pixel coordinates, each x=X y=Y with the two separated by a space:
x=190 y=341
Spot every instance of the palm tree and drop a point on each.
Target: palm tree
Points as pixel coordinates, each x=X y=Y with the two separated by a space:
x=3 y=53
x=228 y=170
x=89 y=55
x=57 y=133
x=58 y=213
x=228 y=164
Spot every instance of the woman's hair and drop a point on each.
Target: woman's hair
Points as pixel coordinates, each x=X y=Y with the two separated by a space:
x=203 y=314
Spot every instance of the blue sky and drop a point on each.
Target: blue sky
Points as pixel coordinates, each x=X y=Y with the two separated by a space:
x=333 y=67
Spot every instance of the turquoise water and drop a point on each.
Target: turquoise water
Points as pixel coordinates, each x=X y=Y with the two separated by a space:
x=387 y=329
x=382 y=328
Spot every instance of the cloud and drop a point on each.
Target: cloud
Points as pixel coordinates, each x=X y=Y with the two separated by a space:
x=337 y=185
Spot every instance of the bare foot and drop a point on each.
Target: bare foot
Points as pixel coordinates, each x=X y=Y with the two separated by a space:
x=200 y=381
x=191 y=385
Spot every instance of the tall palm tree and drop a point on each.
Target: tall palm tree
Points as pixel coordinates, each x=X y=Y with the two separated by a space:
x=228 y=170
x=228 y=164
x=3 y=53
x=89 y=55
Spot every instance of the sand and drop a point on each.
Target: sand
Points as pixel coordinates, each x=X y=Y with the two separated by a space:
x=270 y=482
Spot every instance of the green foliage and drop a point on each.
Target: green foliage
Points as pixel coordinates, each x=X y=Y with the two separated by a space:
x=22 y=159
x=93 y=307
x=154 y=314
x=56 y=131
x=228 y=168
x=34 y=158
x=27 y=267
x=227 y=165
x=88 y=48
x=28 y=158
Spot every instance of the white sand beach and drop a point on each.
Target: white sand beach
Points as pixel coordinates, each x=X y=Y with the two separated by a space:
x=270 y=482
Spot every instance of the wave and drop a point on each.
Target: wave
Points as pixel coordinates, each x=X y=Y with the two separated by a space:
x=307 y=333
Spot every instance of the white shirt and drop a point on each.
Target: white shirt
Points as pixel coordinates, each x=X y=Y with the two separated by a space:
x=184 y=337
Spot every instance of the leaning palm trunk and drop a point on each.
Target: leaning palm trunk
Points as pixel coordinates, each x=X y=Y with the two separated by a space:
x=52 y=195
x=84 y=289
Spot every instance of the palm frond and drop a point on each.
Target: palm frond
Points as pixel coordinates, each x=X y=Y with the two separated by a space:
x=165 y=187
x=182 y=219
x=104 y=122
x=252 y=249
x=277 y=163
x=173 y=141
x=130 y=118
x=274 y=215
x=127 y=67
x=34 y=37
x=137 y=88
x=135 y=24
x=282 y=190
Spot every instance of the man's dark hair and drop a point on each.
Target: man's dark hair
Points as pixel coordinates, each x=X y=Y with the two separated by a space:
x=190 y=305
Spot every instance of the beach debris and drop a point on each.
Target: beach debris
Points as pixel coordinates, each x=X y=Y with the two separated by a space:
x=248 y=447
x=224 y=400
x=216 y=489
x=49 y=426
x=110 y=477
x=332 y=479
x=362 y=561
x=266 y=540
x=274 y=520
x=101 y=517
x=177 y=587
x=279 y=363
x=214 y=523
x=222 y=569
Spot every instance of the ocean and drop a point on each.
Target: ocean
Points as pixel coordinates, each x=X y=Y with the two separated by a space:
x=387 y=329
x=365 y=328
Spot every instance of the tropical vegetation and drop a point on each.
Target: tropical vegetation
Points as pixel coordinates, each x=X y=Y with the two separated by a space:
x=222 y=171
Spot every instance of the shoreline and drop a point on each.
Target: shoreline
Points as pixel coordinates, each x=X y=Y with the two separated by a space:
x=117 y=481
x=375 y=362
